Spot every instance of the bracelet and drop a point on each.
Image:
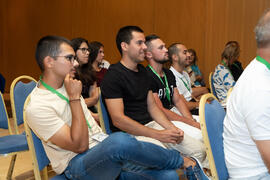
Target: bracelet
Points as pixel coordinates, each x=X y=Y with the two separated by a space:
x=72 y=100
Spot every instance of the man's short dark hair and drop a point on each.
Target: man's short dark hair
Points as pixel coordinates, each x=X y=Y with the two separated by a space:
x=149 y=39
x=173 y=50
x=49 y=46
x=125 y=35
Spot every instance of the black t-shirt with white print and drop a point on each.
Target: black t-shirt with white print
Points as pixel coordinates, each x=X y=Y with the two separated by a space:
x=160 y=88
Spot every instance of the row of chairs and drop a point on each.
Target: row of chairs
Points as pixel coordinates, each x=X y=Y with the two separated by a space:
x=211 y=118
x=17 y=142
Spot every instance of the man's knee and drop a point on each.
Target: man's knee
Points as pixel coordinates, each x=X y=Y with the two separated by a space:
x=121 y=141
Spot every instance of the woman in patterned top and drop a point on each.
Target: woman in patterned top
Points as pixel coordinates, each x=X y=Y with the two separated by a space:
x=222 y=77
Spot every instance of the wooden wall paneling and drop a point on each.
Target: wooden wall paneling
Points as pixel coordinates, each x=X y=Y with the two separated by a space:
x=204 y=25
x=27 y=22
x=3 y=30
x=121 y=13
x=254 y=10
x=104 y=18
x=216 y=34
x=17 y=41
x=235 y=20
x=181 y=21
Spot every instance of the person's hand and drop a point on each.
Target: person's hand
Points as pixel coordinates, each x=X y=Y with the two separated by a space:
x=73 y=87
x=197 y=124
x=94 y=93
x=174 y=136
x=188 y=162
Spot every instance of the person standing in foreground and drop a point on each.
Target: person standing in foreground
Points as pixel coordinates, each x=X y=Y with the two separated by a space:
x=247 y=122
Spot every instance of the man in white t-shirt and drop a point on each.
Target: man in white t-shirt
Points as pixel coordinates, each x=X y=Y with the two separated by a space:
x=179 y=56
x=247 y=122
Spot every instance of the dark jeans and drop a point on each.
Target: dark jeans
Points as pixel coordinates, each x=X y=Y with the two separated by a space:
x=122 y=156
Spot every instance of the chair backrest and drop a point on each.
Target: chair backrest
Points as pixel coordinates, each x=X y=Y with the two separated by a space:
x=39 y=157
x=211 y=118
x=2 y=83
x=211 y=84
x=18 y=93
x=229 y=92
x=4 y=121
x=103 y=116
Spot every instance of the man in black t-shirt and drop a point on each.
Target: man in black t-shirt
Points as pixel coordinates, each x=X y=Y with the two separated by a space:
x=132 y=87
x=129 y=99
x=127 y=94
x=168 y=99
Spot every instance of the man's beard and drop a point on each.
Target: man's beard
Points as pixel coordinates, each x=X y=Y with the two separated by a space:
x=162 y=61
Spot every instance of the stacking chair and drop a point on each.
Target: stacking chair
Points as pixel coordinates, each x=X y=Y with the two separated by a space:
x=212 y=115
x=39 y=157
x=10 y=145
x=229 y=92
x=18 y=93
x=211 y=84
x=103 y=116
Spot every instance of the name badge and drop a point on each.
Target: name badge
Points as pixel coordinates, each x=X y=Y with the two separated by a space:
x=99 y=136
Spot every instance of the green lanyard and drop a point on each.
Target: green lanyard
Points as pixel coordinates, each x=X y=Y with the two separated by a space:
x=186 y=85
x=166 y=83
x=48 y=87
x=260 y=59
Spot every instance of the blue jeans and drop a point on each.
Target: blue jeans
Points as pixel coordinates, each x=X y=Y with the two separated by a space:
x=122 y=156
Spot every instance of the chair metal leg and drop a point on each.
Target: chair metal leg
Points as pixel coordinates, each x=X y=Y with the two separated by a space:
x=11 y=166
x=45 y=173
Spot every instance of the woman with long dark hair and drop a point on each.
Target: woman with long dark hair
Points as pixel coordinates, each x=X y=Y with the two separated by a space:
x=96 y=56
x=86 y=74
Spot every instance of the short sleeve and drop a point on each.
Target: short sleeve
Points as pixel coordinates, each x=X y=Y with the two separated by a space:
x=171 y=77
x=111 y=85
x=153 y=86
x=46 y=124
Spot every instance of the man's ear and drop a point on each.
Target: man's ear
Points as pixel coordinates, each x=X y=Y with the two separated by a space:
x=48 y=62
x=148 y=55
x=124 y=46
x=174 y=57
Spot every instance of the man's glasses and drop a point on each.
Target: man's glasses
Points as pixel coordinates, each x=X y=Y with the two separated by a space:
x=70 y=58
x=84 y=50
